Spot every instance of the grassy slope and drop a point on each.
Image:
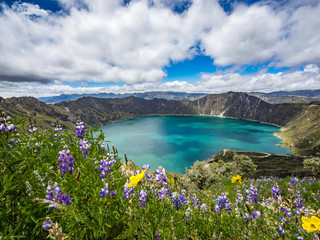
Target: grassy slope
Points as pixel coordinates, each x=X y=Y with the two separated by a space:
x=45 y=115
x=302 y=133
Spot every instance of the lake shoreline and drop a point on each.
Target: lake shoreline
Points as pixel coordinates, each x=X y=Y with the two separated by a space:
x=208 y=136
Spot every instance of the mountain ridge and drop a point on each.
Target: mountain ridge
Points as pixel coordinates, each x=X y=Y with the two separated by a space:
x=239 y=105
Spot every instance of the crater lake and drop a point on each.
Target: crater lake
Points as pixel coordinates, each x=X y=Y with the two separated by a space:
x=176 y=142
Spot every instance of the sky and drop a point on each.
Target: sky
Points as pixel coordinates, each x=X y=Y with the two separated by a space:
x=53 y=47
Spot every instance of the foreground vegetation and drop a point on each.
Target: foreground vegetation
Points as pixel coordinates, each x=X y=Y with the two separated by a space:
x=62 y=185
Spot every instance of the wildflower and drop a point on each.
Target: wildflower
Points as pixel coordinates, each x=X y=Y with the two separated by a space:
x=276 y=191
x=10 y=128
x=280 y=229
x=84 y=146
x=294 y=180
x=222 y=203
x=252 y=194
x=145 y=167
x=236 y=179
x=66 y=162
x=55 y=197
x=104 y=191
x=203 y=207
x=142 y=198
x=112 y=193
x=105 y=165
x=286 y=212
x=161 y=176
x=195 y=200
x=162 y=193
x=47 y=224
x=255 y=214
x=80 y=129
x=127 y=191
x=311 y=224
x=178 y=200
x=158 y=234
x=134 y=180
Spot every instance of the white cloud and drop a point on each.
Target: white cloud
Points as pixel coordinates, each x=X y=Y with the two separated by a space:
x=248 y=35
x=104 y=41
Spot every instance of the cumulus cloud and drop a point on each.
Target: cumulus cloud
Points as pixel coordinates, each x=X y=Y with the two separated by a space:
x=108 y=41
x=103 y=42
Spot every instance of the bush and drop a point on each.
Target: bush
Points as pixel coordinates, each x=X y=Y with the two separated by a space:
x=313 y=164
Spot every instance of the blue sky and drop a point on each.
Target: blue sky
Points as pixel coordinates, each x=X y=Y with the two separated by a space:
x=52 y=47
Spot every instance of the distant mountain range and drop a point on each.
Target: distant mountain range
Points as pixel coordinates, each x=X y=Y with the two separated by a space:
x=145 y=95
x=302 y=96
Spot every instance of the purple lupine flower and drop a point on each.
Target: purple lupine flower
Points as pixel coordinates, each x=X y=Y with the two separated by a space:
x=161 y=176
x=145 y=167
x=47 y=224
x=286 y=212
x=104 y=191
x=222 y=203
x=55 y=197
x=280 y=229
x=127 y=192
x=112 y=193
x=158 y=234
x=239 y=198
x=276 y=191
x=299 y=200
x=252 y=195
x=58 y=129
x=195 y=200
x=203 y=207
x=255 y=214
x=80 y=129
x=178 y=200
x=66 y=162
x=294 y=180
x=162 y=193
x=84 y=146
x=10 y=128
x=105 y=165
x=142 y=198
x=2 y=127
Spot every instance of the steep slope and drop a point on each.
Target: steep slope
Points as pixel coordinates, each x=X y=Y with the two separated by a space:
x=95 y=111
x=244 y=106
x=45 y=115
x=302 y=133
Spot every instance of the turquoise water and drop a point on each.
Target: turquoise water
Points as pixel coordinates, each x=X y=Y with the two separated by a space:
x=175 y=142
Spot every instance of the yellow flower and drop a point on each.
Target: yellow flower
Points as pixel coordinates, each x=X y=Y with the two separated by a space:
x=311 y=224
x=236 y=179
x=172 y=181
x=134 y=180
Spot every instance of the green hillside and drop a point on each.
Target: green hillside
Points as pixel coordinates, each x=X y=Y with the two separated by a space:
x=302 y=133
